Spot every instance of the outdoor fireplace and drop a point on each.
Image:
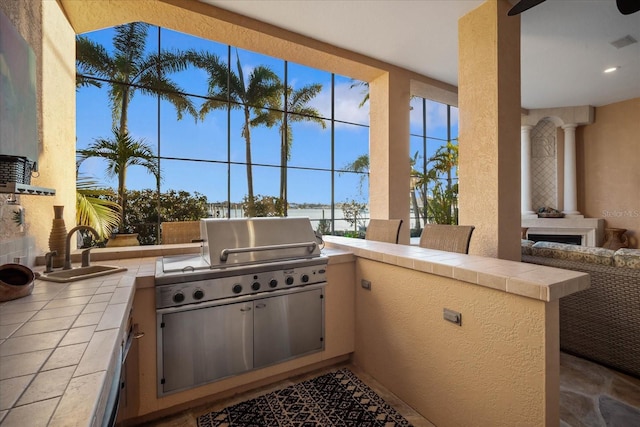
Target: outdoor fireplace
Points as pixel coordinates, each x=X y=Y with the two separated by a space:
x=589 y=231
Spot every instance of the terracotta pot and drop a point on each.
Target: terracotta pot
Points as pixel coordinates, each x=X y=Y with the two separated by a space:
x=16 y=281
x=615 y=239
x=58 y=236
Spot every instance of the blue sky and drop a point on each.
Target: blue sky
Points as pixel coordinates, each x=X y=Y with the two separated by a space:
x=205 y=142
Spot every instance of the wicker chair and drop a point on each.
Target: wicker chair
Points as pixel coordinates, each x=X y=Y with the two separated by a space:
x=383 y=230
x=444 y=237
x=180 y=232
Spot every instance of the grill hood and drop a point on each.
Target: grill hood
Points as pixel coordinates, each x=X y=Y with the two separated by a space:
x=229 y=242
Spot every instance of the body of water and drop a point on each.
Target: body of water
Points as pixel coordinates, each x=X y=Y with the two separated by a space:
x=315 y=215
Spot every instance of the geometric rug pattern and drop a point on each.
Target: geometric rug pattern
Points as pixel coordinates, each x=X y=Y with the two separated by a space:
x=337 y=399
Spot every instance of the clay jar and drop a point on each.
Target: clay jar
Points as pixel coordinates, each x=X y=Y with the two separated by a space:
x=58 y=236
x=615 y=239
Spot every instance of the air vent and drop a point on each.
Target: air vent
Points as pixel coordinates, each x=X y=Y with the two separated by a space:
x=623 y=42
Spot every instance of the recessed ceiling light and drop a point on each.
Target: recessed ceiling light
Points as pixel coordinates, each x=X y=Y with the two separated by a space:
x=611 y=69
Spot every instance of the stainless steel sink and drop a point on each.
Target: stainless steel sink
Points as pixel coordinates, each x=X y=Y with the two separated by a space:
x=63 y=276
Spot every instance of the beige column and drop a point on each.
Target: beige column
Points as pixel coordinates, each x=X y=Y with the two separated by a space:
x=525 y=169
x=489 y=134
x=570 y=180
x=389 y=177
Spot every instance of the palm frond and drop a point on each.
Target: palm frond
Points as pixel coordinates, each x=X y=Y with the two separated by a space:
x=94 y=209
x=92 y=58
x=169 y=91
x=130 y=40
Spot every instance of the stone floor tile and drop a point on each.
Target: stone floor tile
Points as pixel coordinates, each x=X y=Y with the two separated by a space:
x=618 y=414
x=625 y=391
x=582 y=376
x=577 y=409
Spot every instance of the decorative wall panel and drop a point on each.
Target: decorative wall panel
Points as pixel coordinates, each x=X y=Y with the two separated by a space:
x=544 y=165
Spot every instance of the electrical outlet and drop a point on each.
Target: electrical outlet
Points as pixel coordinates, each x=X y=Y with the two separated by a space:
x=365 y=284
x=452 y=316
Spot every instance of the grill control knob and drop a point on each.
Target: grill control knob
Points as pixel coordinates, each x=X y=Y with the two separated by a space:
x=237 y=288
x=273 y=283
x=255 y=286
x=304 y=278
x=198 y=294
x=178 y=297
x=289 y=280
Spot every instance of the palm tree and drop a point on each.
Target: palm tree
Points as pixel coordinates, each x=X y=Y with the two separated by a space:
x=93 y=207
x=227 y=89
x=415 y=180
x=120 y=152
x=129 y=69
x=361 y=166
x=298 y=110
x=442 y=204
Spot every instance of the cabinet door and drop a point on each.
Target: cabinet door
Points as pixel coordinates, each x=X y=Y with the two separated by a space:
x=287 y=326
x=199 y=346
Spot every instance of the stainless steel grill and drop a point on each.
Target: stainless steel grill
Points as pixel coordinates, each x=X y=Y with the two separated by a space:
x=252 y=298
x=240 y=257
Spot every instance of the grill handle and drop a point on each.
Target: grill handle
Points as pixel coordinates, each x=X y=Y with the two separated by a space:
x=224 y=254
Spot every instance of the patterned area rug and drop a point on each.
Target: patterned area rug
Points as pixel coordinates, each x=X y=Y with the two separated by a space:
x=335 y=399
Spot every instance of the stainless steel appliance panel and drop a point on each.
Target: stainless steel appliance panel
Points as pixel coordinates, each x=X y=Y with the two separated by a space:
x=252 y=240
x=288 y=325
x=201 y=345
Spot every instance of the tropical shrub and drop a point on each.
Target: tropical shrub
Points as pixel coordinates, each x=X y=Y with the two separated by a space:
x=261 y=206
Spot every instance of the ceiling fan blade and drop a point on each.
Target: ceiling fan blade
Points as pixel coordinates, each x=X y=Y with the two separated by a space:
x=523 y=5
x=627 y=7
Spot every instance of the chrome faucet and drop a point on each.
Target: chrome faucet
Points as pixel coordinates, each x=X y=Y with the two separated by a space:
x=67 y=249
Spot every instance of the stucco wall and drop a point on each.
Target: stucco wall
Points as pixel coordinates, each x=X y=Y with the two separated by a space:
x=491 y=371
x=608 y=167
x=52 y=39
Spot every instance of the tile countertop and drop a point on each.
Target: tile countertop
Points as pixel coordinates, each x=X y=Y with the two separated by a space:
x=529 y=280
x=58 y=347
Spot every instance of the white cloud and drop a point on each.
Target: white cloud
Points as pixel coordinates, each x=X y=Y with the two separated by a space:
x=436 y=115
x=347 y=103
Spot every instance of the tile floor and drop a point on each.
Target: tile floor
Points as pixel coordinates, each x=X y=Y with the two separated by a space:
x=591 y=395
